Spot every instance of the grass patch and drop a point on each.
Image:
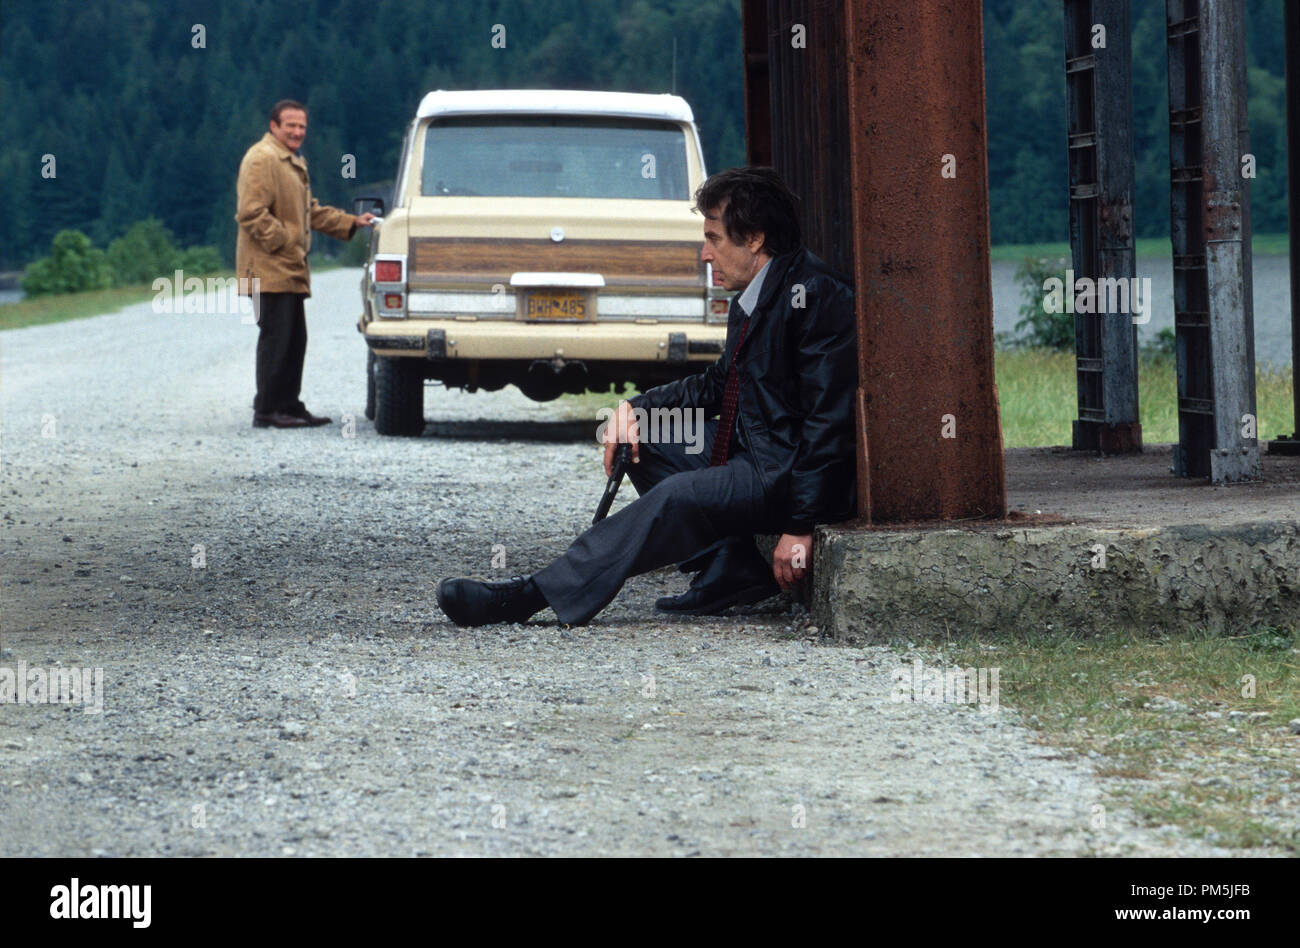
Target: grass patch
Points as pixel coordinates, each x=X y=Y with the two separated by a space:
x=60 y=307
x=1170 y=718
x=1146 y=248
x=586 y=407
x=63 y=306
x=1039 y=398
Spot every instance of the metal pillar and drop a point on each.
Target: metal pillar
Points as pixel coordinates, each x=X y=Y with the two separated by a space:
x=1291 y=23
x=758 y=125
x=931 y=444
x=809 y=120
x=1210 y=230
x=1099 y=105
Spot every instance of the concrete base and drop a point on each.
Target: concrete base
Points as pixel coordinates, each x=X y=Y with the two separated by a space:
x=1093 y=545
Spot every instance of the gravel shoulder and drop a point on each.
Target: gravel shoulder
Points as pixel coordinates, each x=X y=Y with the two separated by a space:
x=301 y=694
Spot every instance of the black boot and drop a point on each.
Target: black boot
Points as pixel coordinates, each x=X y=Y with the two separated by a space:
x=471 y=602
x=731 y=579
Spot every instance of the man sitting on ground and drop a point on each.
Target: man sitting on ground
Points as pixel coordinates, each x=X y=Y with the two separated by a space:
x=783 y=457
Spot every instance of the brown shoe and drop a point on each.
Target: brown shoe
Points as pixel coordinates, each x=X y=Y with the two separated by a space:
x=277 y=419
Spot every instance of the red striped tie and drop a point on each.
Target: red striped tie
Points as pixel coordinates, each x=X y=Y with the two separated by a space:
x=730 y=401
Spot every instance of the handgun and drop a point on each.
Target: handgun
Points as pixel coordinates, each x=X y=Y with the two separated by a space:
x=622 y=458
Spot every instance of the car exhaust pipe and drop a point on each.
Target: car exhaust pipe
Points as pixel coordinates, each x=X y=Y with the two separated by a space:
x=548 y=379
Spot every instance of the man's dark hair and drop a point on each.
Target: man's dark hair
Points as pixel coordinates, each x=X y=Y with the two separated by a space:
x=757 y=202
x=285 y=104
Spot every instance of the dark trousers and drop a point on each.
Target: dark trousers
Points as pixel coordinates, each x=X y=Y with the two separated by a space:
x=281 y=347
x=688 y=513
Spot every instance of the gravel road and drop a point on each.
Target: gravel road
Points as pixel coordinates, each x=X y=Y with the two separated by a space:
x=301 y=694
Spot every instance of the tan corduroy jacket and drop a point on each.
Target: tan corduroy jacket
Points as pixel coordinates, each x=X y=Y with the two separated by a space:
x=276 y=215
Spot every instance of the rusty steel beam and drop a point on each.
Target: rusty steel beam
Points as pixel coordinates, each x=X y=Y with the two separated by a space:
x=1099 y=106
x=1291 y=24
x=931 y=444
x=753 y=42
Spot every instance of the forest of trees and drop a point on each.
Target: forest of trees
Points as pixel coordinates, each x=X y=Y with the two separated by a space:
x=1024 y=48
x=142 y=121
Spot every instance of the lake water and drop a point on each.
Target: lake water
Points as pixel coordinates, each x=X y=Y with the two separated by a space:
x=1272 y=303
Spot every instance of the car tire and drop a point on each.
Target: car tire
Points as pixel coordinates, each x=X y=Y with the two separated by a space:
x=399 y=397
x=370 y=385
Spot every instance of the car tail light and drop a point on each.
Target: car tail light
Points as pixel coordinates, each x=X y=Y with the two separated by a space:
x=388 y=283
x=719 y=307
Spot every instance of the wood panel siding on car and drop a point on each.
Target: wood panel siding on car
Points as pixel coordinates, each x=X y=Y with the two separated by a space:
x=625 y=263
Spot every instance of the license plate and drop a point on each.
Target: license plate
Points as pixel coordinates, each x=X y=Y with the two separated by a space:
x=555 y=304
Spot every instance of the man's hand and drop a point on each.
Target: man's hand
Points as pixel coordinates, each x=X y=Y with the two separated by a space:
x=365 y=219
x=622 y=427
x=791 y=560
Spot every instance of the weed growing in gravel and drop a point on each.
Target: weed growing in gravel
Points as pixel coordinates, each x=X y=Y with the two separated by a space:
x=1193 y=729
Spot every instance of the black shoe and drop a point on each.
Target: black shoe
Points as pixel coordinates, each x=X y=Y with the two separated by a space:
x=729 y=575
x=312 y=420
x=278 y=419
x=471 y=602
x=712 y=598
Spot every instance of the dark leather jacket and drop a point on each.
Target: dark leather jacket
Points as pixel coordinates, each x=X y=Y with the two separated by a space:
x=798 y=374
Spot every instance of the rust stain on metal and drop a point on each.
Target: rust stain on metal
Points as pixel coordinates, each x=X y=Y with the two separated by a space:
x=1222 y=215
x=1123 y=438
x=864 y=460
x=932 y=435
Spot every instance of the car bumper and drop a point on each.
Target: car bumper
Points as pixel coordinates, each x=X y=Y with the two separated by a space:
x=511 y=339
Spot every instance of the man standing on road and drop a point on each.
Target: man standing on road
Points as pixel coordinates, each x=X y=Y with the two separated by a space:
x=783 y=457
x=276 y=215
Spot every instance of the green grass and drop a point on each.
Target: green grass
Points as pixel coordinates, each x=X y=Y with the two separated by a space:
x=1039 y=398
x=1178 y=767
x=1147 y=247
x=62 y=306
x=587 y=405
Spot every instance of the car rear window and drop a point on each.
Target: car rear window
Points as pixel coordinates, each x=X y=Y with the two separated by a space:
x=555 y=156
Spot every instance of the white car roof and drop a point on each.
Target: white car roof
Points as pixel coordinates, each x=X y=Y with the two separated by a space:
x=555 y=102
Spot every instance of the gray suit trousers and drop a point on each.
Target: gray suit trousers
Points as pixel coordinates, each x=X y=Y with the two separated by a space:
x=686 y=511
